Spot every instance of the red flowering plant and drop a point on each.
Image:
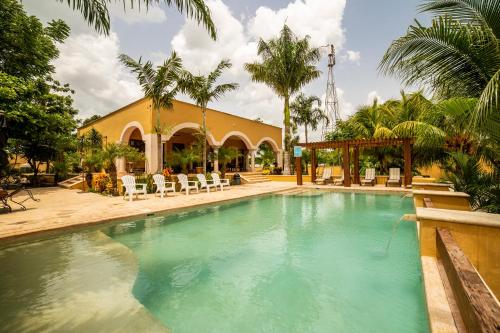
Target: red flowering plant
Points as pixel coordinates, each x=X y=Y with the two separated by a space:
x=167 y=172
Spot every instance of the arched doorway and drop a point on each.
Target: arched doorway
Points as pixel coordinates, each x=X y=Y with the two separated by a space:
x=133 y=135
x=268 y=156
x=183 y=150
x=243 y=145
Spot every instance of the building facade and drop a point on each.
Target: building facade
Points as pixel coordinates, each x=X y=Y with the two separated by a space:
x=135 y=125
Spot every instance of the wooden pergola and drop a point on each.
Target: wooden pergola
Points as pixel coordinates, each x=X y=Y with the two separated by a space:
x=346 y=145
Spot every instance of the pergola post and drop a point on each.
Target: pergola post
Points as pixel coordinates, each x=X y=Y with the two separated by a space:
x=298 y=170
x=407 y=159
x=313 y=165
x=356 y=165
x=347 y=172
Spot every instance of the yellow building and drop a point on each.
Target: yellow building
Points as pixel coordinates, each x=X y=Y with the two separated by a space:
x=135 y=123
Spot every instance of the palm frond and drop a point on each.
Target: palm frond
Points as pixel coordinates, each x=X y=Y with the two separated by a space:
x=95 y=12
x=483 y=12
x=488 y=107
x=442 y=56
x=426 y=135
x=222 y=89
x=217 y=72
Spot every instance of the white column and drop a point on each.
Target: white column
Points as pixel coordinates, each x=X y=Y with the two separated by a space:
x=121 y=168
x=245 y=160
x=151 y=152
x=216 y=158
x=161 y=154
x=252 y=159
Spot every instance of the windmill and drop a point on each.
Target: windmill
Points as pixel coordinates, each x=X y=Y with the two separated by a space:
x=331 y=102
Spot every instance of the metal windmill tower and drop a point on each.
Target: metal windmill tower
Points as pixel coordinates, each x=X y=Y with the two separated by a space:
x=331 y=102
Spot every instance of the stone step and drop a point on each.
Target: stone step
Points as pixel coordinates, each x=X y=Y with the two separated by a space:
x=71 y=182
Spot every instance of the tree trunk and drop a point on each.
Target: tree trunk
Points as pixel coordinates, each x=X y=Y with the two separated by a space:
x=112 y=175
x=223 y=170
x=159 y=165
x=35 y=172
x=204 y=140
x=307 y=164
x=286 y=164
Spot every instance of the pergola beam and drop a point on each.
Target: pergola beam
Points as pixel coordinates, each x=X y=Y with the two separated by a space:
x=358 y=142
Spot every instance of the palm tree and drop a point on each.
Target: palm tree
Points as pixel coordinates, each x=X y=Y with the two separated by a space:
x=288 y=63
x=184 y=157
x=458 y=55
x=203 y=90
x=159 y=84
x=108 y=156
x=226 y=155
x=96 y=13
x=468 y=175
x=304 y=112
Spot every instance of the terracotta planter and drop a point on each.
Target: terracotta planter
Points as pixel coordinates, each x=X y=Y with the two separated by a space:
x=199 y=169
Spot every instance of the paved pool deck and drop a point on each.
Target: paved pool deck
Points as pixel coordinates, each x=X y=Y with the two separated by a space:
x=60 y=208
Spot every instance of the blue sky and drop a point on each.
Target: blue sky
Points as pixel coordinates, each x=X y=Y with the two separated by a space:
x=360 y=29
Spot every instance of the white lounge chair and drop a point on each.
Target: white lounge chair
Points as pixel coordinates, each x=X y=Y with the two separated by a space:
x=187 y=185
x=339 y=181
x=162 y=186
x=205 y=184
x=220 y=182
x=394 y=177
x=325 y=178
x=369 y=177
x=131 y=187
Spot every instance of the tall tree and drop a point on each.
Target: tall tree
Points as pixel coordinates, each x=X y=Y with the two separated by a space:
x=96 y=12
x=40 y=120
x=305 y=113
x=457 y=56
x=26 y=46
x=26 y=51
x=159 y=84
x=288 y=63
x=203 y=90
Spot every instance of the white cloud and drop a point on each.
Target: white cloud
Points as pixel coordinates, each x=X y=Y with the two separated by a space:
x=346 y=108
x=351 y=56
x=153 y=14
x=90 y=64
x=372 y=95
x=320 y=19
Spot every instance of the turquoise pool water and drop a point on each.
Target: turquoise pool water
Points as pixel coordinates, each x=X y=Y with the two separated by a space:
x=304 y=263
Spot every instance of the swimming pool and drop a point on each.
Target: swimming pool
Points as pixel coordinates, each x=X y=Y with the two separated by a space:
x=317 y=262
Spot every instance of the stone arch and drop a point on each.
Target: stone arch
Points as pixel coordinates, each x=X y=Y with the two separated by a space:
x=129 y=128
x=196 y=126
x=241 y=136
x=270 y=141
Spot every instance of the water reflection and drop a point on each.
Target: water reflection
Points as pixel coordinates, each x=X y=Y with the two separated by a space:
x=73 y=283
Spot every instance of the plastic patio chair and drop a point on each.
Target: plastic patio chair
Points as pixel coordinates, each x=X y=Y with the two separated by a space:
x=204 y=183
x=162 y=186
x=187 y=185
x=220 y=182
x=131 y=187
